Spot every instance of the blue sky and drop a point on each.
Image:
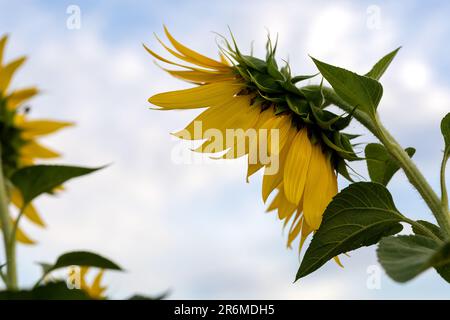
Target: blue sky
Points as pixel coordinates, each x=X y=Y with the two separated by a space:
x=199 y=229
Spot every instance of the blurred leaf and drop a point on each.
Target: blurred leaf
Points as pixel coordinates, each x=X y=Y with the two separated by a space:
x=359 y=91
x=405 y=257
x=380 y=67
x=380 y=164
x=78 y=258
x=83 y=259
x=33 y=181
x=432 y=227
x=51 y=291
x=360 y=215
x=302 y=78
x=143 y=297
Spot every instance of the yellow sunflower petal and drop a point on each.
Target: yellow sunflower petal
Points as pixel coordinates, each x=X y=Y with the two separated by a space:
x=199 y=58
x=18 y=97
x=306 y=231
x=23 y=238
x=35 y=128
x=217 y=119
x=271 y=181
x=3 y=41
x=97 y=290
x=338 y=261
x=296 y=168
x=34 y=150
x=207 y=95
x=318 y=187
x=199 y=77
x=295 y=229
x=244 y=136
x=30 y=212
x=7 y=72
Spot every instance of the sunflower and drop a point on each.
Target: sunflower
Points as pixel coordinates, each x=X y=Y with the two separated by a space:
x=245 y=94
x=18 y=134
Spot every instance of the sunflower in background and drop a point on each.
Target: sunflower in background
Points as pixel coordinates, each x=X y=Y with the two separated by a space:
x=95 y=290
x=242 y=92
x=18 y=135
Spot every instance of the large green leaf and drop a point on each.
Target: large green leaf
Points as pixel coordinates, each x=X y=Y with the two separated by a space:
x=360 y=215
x=380 y=67
x=33 y=181
x=405 y=257
x=380 y=164
x=51 y=291
x=359 y=91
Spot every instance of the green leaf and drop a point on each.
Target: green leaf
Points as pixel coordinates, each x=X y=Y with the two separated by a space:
x=302 y=78
x=359 y=91
x=380 y=164
x=445 y=129
x=405 y=257
x=145 y=297
x=430 y=226
x=78 y=258
x=380 y=67
x=84 y=259
x=33 y=181
x=360 y=215
x=51 y=291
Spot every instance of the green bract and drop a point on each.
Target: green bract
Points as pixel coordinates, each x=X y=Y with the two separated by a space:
x=276 y=86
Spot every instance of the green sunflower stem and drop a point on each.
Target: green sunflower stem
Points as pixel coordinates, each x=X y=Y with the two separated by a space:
x=7 y=230
x=444 y=195
x=413 y=174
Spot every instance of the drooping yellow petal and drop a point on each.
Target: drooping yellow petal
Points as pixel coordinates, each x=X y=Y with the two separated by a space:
x=199 y=58
x=295 y=229
x=318 y=187
x=306 y=231
x=34 y=150
x=216 y=120
x=274 y=205
x=297 y=164
x=254 y=157
x=244 y=136
x=208 y=95
x=271 y=181
x=35 y=128
x=7 y=72
x=280 y=127
x=29 y=212
x=18 y=97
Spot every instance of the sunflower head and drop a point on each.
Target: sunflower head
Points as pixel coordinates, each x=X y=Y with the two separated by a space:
x=247 y=95
x=275 y=86
x=18 y=134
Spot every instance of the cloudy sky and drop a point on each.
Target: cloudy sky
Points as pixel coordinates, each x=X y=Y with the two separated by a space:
x=197 y=228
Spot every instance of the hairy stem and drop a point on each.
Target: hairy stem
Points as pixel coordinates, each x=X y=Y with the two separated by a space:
x=6 y=224
x=444 y=195
x=413 y=174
